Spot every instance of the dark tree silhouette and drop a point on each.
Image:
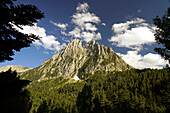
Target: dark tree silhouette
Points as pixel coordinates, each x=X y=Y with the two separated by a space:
x=13 y=98
x=11 y=39
x=162 y=34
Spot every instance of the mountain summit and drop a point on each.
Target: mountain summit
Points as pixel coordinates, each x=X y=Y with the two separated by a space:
x=78 y=60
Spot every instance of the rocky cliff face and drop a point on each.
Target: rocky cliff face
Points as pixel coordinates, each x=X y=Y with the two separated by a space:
x=75 y=60
x=17 y=68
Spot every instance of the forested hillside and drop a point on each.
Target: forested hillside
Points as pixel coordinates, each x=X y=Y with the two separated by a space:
x=131 y=91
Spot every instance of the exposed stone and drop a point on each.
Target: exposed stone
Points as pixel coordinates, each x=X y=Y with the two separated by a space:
x=75 y=60
x=17 y=68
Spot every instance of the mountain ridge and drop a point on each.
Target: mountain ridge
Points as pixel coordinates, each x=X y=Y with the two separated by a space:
x=17 y=68
x=78 y=60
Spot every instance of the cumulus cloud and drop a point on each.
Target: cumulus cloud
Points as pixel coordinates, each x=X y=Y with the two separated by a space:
x=132 y=34
x=80 y=18
x=83 y=24
x=120 y=28
x=60 y=25
x=86 y=35
x=149 y=60
x=47 y=41
x=76 y=32
x=90 y=36
x=82 y=7
x=90 y=27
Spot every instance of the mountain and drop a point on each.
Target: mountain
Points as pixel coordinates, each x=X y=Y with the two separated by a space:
x=77 y=60
x=17 y=68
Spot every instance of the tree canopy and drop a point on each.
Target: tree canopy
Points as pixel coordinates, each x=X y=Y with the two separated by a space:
x=130 y=91
x=11 y=39
x=162 y=34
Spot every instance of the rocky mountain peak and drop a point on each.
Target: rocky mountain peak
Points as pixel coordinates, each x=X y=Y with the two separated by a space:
x=91 y=42
x=75 y=60
x=75 y=43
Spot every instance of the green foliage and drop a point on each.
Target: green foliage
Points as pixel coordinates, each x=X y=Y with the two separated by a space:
x=90 y=63
x=13 y=98
x=13 y=16
x=84 y=100
x=134 y=91
x=32 y=74
x=37 y=73
x=162 y=34
x=68 y=59
x=108 y=60
x=83 y=53
x=55 y=95
x=131 y=91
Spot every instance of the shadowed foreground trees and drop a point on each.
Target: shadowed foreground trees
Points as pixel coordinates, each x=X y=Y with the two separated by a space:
x=84 y=100
x=12 y=16
x=13 y=98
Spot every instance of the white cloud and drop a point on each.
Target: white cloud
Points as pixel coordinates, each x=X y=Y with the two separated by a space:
x=90 y=27
x=85 y=24
x=122 y=27
x=47 y=41
x=134 y=34
x=87 y=36
x=103 y=24
x=37 y=43
x=139 y=10
x=65 y=39
x=60 y=25
x=82 y=7
x=76 y=32
x=81 y=18
x=64 y=33
x=149 y=60
x=83 y=15
x=45 y=52
x=134 y=37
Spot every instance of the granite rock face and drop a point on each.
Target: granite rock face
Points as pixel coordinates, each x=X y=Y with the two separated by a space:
x=77 y=60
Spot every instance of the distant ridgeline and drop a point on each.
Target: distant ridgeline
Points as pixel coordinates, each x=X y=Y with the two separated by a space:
x=17 y=68
x=107 y=83
x=75 y=60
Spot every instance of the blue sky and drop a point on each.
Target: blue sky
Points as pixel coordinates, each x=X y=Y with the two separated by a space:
x=124 y=25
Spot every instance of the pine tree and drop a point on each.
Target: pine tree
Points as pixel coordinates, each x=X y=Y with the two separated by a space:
x=11 y=39
x=162 y=34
